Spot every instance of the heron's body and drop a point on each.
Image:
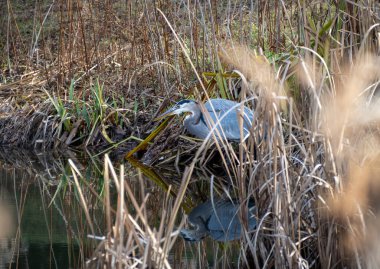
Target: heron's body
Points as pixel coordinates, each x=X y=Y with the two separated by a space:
x=221 y=113
x=219 y=220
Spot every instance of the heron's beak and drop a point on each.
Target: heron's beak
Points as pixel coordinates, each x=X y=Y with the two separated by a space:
x=167 y=113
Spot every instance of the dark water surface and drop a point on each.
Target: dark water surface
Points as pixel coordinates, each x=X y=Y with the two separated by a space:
x=42 y=224
x=34 y=231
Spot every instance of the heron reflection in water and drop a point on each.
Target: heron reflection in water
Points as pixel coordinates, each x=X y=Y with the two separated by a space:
x=219 y=220
x=227 y=112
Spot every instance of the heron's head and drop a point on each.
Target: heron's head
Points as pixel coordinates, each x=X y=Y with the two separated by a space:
x=179 y=108
x=193 y=235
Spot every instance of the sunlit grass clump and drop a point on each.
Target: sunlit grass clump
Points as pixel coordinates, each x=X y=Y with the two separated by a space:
x=312 y=175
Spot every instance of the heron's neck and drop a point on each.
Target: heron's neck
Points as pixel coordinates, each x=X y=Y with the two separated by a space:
x=200 y=224
x=195 y=116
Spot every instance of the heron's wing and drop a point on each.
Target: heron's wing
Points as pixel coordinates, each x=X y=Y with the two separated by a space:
x=224 y=224
x=201 y=212
x=224 y=216
x=229 y=122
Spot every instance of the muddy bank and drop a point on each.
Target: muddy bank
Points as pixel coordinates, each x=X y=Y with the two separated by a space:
x=39 y=127
x=28 y=127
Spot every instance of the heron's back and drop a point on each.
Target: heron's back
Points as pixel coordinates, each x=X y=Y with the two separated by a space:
x=227 y=112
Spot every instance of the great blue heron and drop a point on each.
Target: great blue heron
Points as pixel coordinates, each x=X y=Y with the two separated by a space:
x=219 y=220
x=226 y=112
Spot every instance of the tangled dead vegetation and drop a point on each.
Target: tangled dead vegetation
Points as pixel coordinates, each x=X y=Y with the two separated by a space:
x=29 y=128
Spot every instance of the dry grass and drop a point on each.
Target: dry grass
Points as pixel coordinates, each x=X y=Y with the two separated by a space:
x=311 y=160
x=131 y=242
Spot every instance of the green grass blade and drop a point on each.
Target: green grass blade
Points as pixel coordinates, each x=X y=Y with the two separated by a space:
x=145 y=142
